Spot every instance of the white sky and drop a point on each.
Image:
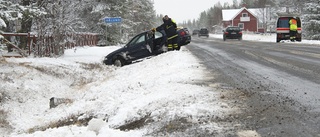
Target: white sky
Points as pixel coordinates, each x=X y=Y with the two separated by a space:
x=184 y=10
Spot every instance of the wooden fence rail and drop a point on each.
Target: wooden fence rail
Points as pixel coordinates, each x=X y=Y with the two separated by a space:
x=46 y=45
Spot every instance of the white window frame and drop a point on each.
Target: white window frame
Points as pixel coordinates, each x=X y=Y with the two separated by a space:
x=243 y=14
x=240 y=26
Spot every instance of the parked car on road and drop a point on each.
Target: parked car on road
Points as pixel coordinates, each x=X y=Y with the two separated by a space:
x=232 y=33
x=195 y=32
x=203 y=32
x=184 y=36
x=143 y=45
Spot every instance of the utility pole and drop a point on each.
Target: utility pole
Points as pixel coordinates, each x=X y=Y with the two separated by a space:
x=268 y=17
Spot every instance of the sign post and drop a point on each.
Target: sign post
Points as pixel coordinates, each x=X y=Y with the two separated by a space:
x=110 y=20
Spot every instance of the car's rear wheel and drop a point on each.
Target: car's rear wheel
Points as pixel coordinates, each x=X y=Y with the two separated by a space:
x=119 y=62
x=299 y=40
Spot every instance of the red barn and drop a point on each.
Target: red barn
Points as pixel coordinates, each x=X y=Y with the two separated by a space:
x=244 y=18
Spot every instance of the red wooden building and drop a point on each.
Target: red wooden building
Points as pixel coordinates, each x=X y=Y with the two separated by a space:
x=244 y=18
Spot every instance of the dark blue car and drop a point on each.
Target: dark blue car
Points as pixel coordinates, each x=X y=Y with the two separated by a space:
x=141 y=46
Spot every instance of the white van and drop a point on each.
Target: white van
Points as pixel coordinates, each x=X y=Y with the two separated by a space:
x=283 y=27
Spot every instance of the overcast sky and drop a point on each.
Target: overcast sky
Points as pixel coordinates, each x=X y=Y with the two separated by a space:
x=183 y=10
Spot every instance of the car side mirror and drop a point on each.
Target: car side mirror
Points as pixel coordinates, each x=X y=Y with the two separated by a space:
x=222 y=30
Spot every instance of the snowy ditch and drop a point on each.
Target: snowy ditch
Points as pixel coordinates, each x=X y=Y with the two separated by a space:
x=159 y=96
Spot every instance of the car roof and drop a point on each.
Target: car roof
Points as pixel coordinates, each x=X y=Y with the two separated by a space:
x=281 y=14
x=161 y=31
x=233 y=27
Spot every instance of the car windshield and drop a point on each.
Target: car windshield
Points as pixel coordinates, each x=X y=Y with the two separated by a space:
x=157 y=35
x=233 y=29
x=283 y=23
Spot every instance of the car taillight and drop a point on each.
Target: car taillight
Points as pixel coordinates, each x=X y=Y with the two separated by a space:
x=182 y=33
x=240 y=32
x=226 y=33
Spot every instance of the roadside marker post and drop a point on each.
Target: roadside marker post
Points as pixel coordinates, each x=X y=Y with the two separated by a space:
x=111 y=20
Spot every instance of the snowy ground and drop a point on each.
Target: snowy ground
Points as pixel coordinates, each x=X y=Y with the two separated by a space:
x=160 y=89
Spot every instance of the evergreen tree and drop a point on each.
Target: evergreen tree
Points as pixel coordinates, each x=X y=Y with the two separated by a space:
x=235 y=4
x=311 y=20
x=203 y=21
x=17 y=16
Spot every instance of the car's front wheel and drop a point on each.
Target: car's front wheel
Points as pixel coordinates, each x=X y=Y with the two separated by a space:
x=119 y=62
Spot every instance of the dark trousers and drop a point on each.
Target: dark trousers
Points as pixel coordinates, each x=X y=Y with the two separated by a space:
x=173 y=43
x=293 y=34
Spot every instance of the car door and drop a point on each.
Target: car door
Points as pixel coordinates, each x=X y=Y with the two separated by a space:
x=138 y=47
x=159 y=42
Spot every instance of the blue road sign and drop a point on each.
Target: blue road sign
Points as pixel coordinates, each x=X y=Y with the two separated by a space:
x=112 y=20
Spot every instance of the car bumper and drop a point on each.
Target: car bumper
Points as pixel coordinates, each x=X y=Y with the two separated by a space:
x=233 y=36
x=203 y=34
x=107 y=61
x=185 y=41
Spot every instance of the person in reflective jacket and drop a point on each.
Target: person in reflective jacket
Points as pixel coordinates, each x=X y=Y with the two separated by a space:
x=293 y=28
x=170 y=28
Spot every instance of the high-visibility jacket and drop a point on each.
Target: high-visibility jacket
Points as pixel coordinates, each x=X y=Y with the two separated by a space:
x=170 y=28
x=293 y=24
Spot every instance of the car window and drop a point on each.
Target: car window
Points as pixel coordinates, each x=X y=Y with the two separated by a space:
x=233 y=28
x=141 y=39
x=157 y=35
x=137 y=39
x=283 y=23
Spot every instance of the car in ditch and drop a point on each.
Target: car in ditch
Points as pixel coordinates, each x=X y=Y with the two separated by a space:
x=232 y=33
x=184 y=37
x=143 y=45
x=283 y=27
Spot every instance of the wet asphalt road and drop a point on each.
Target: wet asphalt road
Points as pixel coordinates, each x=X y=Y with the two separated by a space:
x=273 y=87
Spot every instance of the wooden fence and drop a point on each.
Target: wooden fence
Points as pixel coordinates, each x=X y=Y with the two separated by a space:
x=46 y=45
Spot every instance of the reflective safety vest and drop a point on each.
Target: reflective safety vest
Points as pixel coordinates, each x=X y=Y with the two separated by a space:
x=293 y=24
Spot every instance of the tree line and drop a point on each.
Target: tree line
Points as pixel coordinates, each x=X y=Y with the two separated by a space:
x=59 y=18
